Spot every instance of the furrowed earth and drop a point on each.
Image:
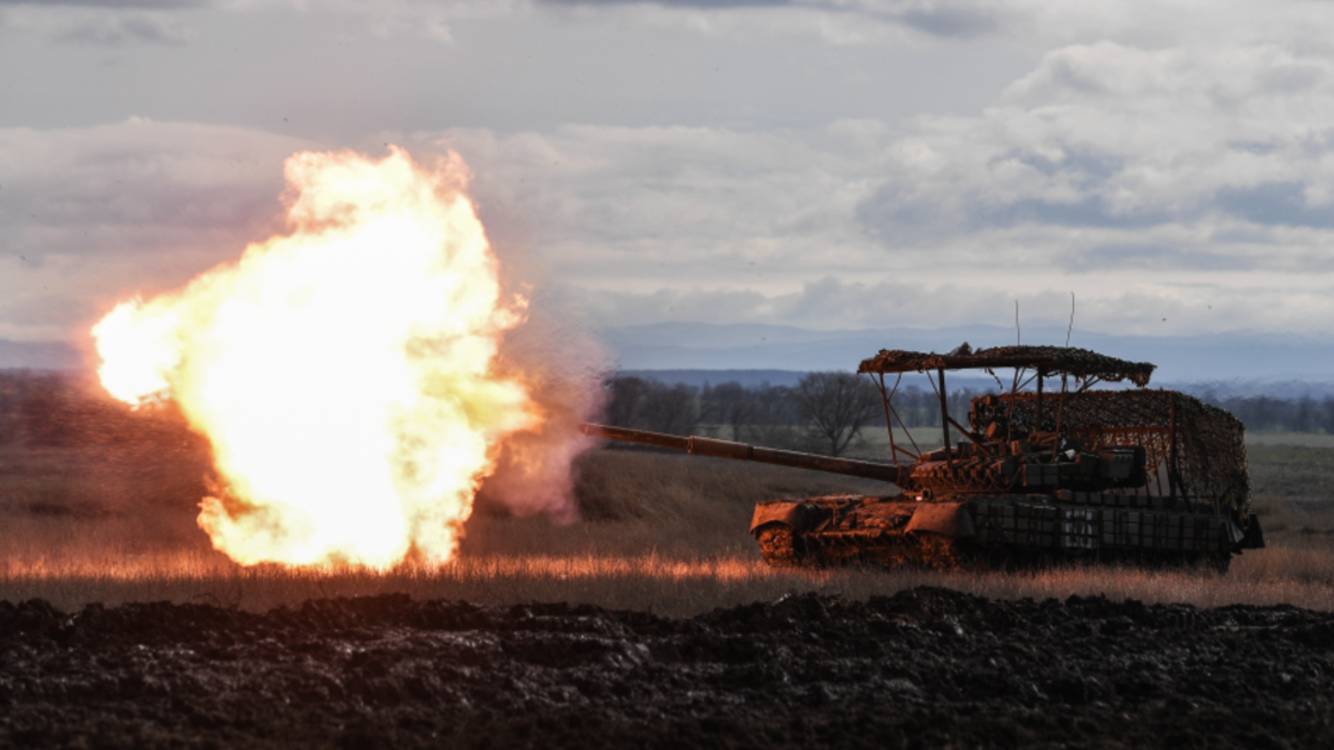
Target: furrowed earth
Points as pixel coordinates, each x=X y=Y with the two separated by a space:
x=924 y=667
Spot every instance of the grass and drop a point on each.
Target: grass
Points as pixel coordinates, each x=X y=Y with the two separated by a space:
x=666 y=584
x=1300 y=439
x=660 y=532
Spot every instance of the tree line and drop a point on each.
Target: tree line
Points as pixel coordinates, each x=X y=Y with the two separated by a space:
x=824 y=411
x=50 y=409
x=828 y=411
x=1270 y=414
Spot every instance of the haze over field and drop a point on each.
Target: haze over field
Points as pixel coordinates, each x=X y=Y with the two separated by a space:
x=838 y=166
x=1284 y=365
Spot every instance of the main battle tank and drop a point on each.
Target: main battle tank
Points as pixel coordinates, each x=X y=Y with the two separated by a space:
x=1112 y=475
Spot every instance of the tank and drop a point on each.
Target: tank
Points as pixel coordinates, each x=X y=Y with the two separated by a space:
x=1057 y=467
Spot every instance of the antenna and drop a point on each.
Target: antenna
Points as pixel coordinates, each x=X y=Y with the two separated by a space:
x=1070 y=327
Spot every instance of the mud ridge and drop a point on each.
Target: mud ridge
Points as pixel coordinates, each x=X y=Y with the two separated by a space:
x=923 y=667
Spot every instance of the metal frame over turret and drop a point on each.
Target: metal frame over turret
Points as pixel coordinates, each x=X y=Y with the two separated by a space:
x=1193 y=451
x=1031 y=364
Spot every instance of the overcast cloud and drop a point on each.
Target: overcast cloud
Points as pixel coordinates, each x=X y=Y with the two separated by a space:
x=817 y=163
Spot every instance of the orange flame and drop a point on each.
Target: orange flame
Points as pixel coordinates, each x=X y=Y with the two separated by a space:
x=343 y=373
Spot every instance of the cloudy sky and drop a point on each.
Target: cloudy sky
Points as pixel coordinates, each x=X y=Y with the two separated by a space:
x=824 y=163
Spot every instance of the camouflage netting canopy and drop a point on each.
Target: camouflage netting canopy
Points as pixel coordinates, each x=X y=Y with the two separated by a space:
x=1198 y=448
x=1048 y=360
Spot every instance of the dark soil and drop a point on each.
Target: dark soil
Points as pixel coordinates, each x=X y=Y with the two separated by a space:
x=923 y=668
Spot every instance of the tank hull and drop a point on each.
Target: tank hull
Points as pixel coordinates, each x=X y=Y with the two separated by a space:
x=995 y=530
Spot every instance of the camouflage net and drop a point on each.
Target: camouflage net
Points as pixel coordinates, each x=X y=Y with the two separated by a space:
x=1209 y=461
x=1050 y=360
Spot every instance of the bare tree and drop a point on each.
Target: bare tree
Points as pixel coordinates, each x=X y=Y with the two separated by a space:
x=651 y=405
x=775 y=420
x=728 y=405
x=673 y=409
x=837 y=405
x=624 y=397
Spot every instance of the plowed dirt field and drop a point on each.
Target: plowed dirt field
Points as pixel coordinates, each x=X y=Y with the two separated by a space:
x=924 y=667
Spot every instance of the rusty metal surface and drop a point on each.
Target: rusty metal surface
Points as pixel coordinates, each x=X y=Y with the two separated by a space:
x=705 y=446
x=1050 y=360
x=951 y=519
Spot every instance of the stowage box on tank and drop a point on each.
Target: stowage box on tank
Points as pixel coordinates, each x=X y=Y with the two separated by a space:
x=1131 y=474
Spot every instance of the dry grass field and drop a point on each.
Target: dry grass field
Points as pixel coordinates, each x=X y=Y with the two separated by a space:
x=665 y=533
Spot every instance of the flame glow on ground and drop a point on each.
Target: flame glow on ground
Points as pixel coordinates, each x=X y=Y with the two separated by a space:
x=344 y=373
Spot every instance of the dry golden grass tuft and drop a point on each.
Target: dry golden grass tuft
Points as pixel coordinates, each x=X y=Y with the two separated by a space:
x=661 y=533
x=671 y=585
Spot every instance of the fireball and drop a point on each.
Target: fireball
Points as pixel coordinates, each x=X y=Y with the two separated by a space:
x=344 y=373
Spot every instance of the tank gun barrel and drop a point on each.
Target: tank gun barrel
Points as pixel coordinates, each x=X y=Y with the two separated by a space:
x=704 y=446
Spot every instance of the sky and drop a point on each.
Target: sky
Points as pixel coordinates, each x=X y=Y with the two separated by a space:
x=820 y=163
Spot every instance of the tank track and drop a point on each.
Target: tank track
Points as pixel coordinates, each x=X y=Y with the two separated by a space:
x=782 y=548
x=778 y=546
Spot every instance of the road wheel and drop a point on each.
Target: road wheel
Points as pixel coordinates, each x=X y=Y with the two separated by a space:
x=778 y=545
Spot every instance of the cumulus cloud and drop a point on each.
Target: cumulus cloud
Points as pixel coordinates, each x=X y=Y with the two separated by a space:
x=1029 y=23
x=829 y=303
x=1213 y=156
x=404 y=19
x=1173 y=181
x=113 y=4
x=638 y=204
x=118 y=29
x=839 y=20
x=103 y=23
x=1172 y=189
x=706 y=4
x=91 y=214
x=1175 y=190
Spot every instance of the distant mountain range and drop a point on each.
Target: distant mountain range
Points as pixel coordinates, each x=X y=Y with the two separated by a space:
x=1281 y=389
x=39 y=355
x=1225 y=364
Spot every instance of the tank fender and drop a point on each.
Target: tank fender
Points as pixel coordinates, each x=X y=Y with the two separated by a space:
x=799 y=516
x=952 y=520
